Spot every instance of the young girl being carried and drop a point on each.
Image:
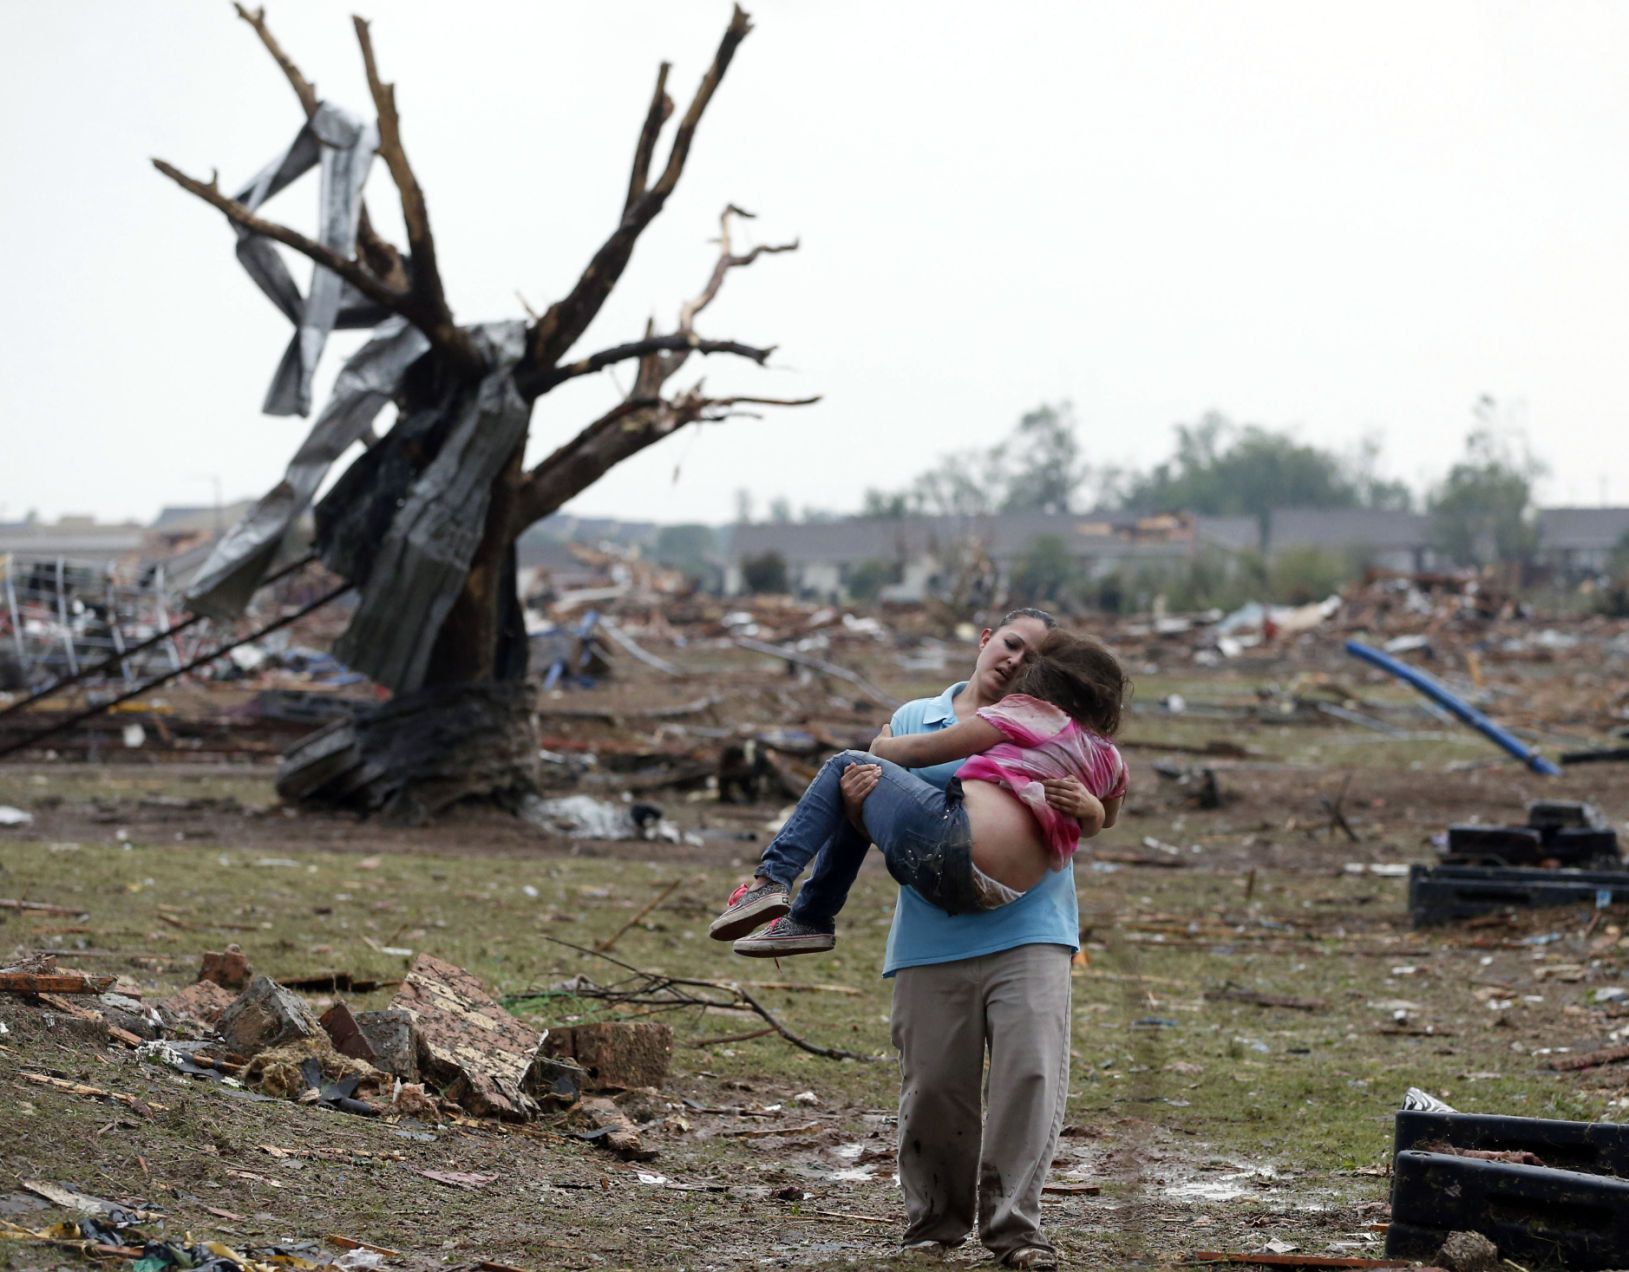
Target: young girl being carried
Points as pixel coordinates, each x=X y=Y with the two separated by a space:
x=990 y=835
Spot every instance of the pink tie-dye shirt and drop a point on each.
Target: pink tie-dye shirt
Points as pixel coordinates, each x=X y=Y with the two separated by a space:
x=1044 y=742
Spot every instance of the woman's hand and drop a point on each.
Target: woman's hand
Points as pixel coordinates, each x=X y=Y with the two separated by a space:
x=858 y=781
x=1069 y=796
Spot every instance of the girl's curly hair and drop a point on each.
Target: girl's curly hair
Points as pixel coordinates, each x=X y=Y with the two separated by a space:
x=1080 y=676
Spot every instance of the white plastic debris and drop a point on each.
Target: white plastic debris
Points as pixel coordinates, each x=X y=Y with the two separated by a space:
x=10 y=816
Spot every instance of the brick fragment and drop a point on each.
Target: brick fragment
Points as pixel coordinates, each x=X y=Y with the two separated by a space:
x=616 y=1054
x=203 y=1003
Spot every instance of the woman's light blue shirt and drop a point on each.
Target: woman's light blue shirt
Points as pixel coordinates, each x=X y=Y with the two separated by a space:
x=922 y=933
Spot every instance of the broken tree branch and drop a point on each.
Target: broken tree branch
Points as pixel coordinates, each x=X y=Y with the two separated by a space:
x=656 y=987
x=539 y=383
x=661 y=107
x=396 y=301
x=727 y=260
x=303 y=88
x=566 y=320
x=451 y=341
x=425 y=276
x=381 y=255
x=626 y=429
x=662 y=896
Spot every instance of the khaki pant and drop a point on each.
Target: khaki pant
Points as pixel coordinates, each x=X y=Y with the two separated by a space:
x=1015 y=1005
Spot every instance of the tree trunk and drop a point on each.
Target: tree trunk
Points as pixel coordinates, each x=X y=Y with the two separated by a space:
x=470 y=732
x=418 y=754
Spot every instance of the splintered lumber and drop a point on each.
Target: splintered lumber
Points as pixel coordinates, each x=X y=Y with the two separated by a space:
x=53 y=983
x=1609 y=1055
x=130 y=1102
x=643 y=655
x=40 y=907
x=823 y=667
x=472 y=1046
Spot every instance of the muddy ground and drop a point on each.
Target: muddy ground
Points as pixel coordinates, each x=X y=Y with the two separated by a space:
x=1196 y=1121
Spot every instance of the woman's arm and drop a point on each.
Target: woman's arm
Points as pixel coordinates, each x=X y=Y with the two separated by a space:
x=922 y=750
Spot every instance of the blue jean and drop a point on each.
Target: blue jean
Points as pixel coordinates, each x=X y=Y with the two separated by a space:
x=922 y=831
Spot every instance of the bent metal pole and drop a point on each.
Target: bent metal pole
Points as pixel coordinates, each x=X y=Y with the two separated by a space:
x=1468 y=714
x=107 y=664
x=34 y=738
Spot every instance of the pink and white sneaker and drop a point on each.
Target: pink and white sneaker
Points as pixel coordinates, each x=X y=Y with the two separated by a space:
x=785 y=936
x=748 y=907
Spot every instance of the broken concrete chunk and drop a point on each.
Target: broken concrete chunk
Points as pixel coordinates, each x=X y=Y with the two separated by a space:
x=1468 y=1252
x=228 y=969
x=128 y=1014
x=468 y=1044
x=618 y=1054
x=202 y=1003
x=266 y=1015
x=389 y=1035
x=602 y=1123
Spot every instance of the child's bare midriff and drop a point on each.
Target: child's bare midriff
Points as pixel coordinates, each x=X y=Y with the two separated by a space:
x=1007 y=843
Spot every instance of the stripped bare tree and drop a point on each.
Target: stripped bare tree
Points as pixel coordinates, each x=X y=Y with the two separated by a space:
x=424 y=521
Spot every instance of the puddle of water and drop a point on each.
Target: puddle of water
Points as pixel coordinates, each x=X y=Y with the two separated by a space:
x=852 y=1173
x=1222 y=1186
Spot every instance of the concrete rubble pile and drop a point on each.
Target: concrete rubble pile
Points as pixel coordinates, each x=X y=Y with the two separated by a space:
x=444 y=1048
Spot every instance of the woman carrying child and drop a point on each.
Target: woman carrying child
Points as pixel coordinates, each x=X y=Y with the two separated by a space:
x=992 y=975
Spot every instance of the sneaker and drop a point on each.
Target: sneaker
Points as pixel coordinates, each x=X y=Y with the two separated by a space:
x=785 y=936
x=748 y=907
x=1036 y=1257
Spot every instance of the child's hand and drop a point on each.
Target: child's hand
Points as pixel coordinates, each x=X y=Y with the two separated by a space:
x=1069 y=796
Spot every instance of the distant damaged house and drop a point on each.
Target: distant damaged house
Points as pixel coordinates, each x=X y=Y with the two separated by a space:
x=924 y=555
x=1580 y=541
x=1362 y=536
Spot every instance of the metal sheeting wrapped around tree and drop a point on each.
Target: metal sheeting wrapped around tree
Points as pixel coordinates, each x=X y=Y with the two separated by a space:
x=369 y=380
x=344 y=146
x=421 y=564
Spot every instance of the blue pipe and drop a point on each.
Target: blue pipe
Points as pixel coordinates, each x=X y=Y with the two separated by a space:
x=1467 y=713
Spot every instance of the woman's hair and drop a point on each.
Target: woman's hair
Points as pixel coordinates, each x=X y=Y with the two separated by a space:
x=1078 y=675
x=1039 y=615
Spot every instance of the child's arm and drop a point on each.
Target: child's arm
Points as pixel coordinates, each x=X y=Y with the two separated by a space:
x=1069 y=796
x=922 y=750
x=1111 y=810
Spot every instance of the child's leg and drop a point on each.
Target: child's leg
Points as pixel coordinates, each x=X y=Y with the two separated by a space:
x=814 y=823
x=836 y=866
x=924 y=837
x=818 y=819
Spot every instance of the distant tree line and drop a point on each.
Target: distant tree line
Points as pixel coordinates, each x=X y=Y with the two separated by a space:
x=1481 y=512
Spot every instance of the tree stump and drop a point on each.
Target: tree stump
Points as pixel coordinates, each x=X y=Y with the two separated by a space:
x=420 y=753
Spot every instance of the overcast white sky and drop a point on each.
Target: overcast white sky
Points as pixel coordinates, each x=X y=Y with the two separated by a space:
x=1332 y=218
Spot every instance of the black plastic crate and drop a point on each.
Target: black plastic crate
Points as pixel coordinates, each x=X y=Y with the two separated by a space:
x=1535 y=1215
x=1576 y=846
x=1439 y=894
x=1597 y=1148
